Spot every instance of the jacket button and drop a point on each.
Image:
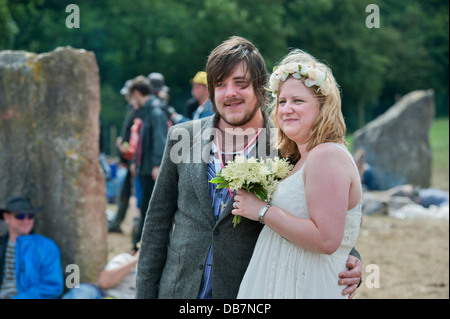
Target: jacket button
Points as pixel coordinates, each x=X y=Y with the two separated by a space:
x=200 y=266
x=216 y=232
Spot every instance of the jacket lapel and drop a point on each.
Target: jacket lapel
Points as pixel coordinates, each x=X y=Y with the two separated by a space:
x=200 y=152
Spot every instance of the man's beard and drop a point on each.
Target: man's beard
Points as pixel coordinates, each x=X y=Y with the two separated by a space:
x=247 y=118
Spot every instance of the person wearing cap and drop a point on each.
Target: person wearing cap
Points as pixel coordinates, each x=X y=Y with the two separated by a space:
x=200 y=93
x=158 y=87
x=30 y=264
x=191 y=104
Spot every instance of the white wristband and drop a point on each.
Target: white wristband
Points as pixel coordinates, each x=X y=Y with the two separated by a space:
x=263 y=211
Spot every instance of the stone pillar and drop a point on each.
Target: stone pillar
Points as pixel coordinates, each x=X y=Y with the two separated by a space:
x=49 y=149
x=397 y=143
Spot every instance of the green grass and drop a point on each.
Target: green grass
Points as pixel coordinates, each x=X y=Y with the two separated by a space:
x=439 y=133
x=440 y=147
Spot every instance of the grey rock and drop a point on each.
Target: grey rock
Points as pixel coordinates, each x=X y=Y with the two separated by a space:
x=49 y=146
x=397 y=144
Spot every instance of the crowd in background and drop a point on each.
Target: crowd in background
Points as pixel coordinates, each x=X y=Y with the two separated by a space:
x=30 y=264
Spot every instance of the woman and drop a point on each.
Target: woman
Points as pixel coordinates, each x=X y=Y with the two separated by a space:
x=313 y=219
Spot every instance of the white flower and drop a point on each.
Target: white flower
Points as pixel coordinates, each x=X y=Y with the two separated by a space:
x=273 y=84
x=255 y=176
x=284 y=74
x=305 y=69
x=313 y=76
x=277 y=73
x=243 y=172
x=291 y=67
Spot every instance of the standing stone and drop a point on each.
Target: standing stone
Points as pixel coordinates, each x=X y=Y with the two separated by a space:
x=397 y=143
x=49 y=149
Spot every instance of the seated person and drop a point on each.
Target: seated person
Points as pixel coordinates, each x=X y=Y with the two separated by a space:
x=117 y=280
x=365 y=171
x=30 y=264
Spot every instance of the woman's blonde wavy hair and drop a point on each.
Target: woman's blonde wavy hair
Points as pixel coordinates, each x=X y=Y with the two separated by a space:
x=329 y=125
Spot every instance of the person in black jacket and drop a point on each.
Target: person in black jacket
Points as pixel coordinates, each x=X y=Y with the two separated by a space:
x=151 y=143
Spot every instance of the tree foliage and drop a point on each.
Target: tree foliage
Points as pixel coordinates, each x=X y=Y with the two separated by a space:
x=373 y=66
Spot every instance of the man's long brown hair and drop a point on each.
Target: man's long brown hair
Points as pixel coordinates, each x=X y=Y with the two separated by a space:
x=224 y=59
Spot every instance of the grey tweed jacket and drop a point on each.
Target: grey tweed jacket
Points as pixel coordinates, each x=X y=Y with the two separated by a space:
x=180 y=227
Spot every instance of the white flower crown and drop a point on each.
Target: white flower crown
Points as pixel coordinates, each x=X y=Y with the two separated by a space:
x=313 y=76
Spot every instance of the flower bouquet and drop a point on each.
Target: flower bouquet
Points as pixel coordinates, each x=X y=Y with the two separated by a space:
x=258 y=177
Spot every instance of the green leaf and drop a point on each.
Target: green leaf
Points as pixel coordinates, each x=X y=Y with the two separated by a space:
x=261 y=194
x=217 y=180
x=222 y=185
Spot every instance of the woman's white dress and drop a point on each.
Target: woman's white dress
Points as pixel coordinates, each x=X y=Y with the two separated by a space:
x=280 y=269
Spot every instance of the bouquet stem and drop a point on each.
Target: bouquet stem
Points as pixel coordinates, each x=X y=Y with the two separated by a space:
x=236 y=220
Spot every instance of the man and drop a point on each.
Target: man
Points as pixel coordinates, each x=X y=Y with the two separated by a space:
x=189 y=248
x=151 y=143
x=200 y=93
x=30 y=264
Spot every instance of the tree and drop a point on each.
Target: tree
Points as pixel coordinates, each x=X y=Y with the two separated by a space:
x=8 y=27
x=373 y=65
x=336 y=33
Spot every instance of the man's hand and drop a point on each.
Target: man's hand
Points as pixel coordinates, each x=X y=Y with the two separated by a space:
x=351 y=277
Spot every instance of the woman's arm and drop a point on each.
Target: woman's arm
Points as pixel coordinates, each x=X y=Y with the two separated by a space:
x=328 y=177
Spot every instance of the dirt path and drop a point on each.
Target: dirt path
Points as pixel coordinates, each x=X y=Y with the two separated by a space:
x=412 y=257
